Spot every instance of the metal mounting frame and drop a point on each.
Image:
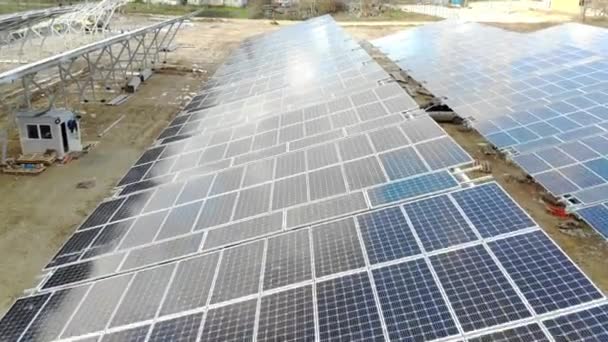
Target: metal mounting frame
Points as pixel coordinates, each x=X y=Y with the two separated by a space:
x=96 y=71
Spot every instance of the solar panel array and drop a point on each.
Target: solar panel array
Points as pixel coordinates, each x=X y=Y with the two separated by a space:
x=539 y=96
x=367 y=235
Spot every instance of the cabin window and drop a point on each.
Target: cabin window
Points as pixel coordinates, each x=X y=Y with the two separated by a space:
x=32 y=132
x=45 y=132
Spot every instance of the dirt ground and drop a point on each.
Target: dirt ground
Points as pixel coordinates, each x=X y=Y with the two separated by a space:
x=39 y=213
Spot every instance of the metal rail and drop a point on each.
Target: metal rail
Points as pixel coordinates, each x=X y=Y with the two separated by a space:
x=96 y=71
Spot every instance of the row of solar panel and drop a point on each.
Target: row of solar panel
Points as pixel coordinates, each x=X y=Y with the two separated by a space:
x=414 y=296
x=546 y=103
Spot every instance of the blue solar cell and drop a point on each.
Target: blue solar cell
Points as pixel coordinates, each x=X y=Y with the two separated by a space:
x=538 y=144
x=599 y=111
x=387 y=235
x=597 y=217
x=486 y=127
x=524 y=117
x=412 y=187
x=543 y=129
x=531 y=163
x=501 y=139
x=491 y=210
x=581 y=176
x=580 y=133
x=504 y=122
x=556 y=157
x=592 y=195
x=412 y=304
x=580 y=102
x=586 y=325
x=578 y=151
x=442 y=153
x=599 y=166
x=555 y=183
x=476 y=287
x=597 y=143
x=583 y=118
x=543 y=112
x=546 y=277
x=563 y=124
x=348 y=300
x=598 y=97
x=526 y=333
x=402 y=163
x=438 y=223
x=522 y=134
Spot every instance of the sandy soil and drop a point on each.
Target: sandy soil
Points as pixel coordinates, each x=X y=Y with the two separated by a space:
x=39 y=213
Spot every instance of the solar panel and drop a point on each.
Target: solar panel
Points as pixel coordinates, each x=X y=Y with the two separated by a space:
x=287 y=316
x=546 y=277
x=597 y=217
x=586 y=325
x=480 y=294
x=386 y=235
x=412 y=304
x=232 y=235
x=438 y=223
x=350 y=301
x=532 y=332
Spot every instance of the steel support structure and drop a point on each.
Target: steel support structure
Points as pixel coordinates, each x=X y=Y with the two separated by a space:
x=25 y=40
x=95 y=72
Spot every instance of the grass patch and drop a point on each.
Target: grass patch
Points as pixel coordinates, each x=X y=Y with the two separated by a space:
x=388 y=14
x=14 y=7
x=208 y=11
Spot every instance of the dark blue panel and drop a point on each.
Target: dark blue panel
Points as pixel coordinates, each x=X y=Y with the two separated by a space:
x=546 y=277
x=526 y=333
x=476 y=287
x=412 y=187
x=336 y=247
x=19 y=316
x=580 y=133
x=555 y=183
x=402 y=163
x=438 y=223
x=531 y=163
x=599 y=166
x=347 y=310
x=587 y=325
x=491 y=210
x=581 y=176
x=413 y=307
x=597 y=217
x=387 y=235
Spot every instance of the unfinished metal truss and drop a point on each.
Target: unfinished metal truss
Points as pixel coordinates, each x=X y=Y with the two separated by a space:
x=31 y=35
x=96 y=72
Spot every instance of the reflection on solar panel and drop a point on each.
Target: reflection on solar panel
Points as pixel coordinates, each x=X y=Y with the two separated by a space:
x=541 y=96
x=279 y=206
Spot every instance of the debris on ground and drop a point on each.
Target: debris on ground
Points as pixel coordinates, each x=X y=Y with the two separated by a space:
x=570 y=225
x=484 y=166
x=522 y=179
x=87 y=184
x=24 y=169
x=557 y=211
x=487 y=149
x=47 y=158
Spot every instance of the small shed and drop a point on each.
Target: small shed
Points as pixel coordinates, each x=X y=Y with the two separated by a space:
x=56 y=129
